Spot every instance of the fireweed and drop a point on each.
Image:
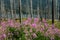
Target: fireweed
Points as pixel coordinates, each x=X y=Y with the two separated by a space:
x=30 y=29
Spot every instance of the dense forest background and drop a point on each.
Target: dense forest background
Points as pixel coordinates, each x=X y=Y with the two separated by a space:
x=44 y=5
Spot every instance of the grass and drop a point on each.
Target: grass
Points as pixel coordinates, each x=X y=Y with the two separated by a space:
x=56 y=23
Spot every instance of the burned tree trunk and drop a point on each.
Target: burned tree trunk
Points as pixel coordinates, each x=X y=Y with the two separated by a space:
x=52 y=11
x=20 y=10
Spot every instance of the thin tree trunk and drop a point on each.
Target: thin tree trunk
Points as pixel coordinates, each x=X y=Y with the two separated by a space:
x=2 y=9
x=31 y=8
x=27 y=9
x=14 y=8
x=41 y=10
x=59 y=13
x=20 y=11
x=58 y=10
x=38 y=9
x=48 y=9
x=0 y=12
x=45 y=13
x=11 y=3
x=52 y=11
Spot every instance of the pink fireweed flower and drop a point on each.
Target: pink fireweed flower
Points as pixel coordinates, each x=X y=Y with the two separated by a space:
x=11 y=23
x=26 y=22
x=3 y=24
x=39 y=24
x=2 y=30
x=30 y=30
x=1 y=37
x=36 y=20
x=34 y=35
x=53 y=26
x=34 y=25
x=17 y=24
x=29 y=19
x=4 y=35
x=45 y=24
x=44 y=20
x=46 y=34
x=42 y=29
x=52 y=38
x=50 y=32
x=55 y=30
x=9 y=34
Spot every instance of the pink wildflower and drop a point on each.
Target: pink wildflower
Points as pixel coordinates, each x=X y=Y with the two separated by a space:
x=44 y=20
x=34 y=25
x=11 y=23
x=30 y=30
x=3 y=24
x=52 y=38
x=17 y=24
x=26 y=22
x=4 y=35
x=29 y=19
x=45 y=24
x=53 y=26
x=34 y=35
x=36 y=20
